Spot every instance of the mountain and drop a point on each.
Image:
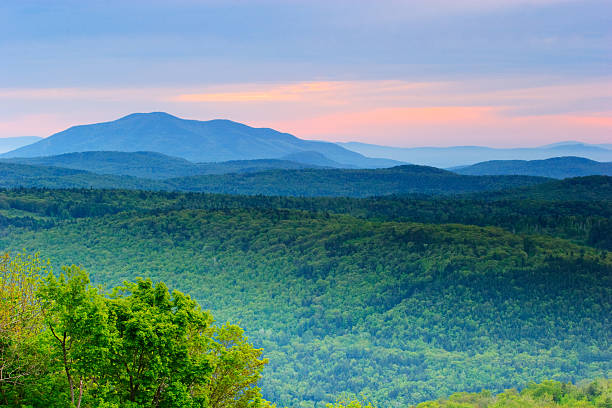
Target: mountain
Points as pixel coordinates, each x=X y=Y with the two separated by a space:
x=446 y=157
x=304 y=182
x=197 y=141
x=11 y=143
x=558 y=167
x=314 y=158
x=152 y=165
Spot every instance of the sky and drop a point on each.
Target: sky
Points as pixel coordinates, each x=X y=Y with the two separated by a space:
x=407 y=73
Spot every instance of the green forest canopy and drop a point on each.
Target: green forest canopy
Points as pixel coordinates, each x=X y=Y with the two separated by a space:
x=383 y=296
x=67 y=343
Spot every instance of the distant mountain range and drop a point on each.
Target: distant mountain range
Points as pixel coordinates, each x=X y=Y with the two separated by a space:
x=159 y=146
x=196 y=141
x=558 y=167
x=448 y=157
x=153 y=165
x=307 y=182
x=11 y=143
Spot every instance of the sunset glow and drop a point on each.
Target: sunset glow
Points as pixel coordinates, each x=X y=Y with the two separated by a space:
x=383 y=75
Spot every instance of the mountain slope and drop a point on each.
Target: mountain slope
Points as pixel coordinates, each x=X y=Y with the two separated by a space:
x=196 y=141
x=151 y=165
x=11 y=143
x=558 y=167
x=589 y=188
x=351 y=183
x=14 y=175
x=314 y=158
x=445 y=157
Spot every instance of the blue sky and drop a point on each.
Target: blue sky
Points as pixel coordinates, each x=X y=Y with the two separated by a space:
x=438 y=72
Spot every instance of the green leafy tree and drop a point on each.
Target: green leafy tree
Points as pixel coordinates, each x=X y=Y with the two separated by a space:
x=144 y=346
x=160 y=350
x=77 y=319
x=238 y=366
x=20 y=321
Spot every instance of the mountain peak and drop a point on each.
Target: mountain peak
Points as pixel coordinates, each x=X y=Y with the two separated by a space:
x=153 y=115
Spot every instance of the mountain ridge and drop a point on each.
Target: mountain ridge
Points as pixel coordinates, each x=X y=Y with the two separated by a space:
x=152 y=165
x=556 y=167
x=408 y=179
x=453 y=156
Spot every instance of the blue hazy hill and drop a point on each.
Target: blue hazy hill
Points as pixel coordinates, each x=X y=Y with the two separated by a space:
x=453 y=156
x=558 y=167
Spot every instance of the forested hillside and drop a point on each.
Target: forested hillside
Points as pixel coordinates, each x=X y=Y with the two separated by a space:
x=252 y=181
x=399 y=299
x=67 y=343
x=152 y=165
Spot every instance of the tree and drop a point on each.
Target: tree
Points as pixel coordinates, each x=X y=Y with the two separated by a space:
x=142 y=346
x=238 y=366
x=159 y=356
x=77 y=318
x=20 y=317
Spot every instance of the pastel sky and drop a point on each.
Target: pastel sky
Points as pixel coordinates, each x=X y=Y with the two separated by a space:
x=395 y=72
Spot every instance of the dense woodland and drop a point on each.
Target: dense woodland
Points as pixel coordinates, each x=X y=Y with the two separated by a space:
x=151 y=165
x=251 y=180
x=66 y=343
x=401 y=299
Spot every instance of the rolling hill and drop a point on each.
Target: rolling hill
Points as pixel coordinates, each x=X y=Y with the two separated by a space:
x=306 y=182
x=558 y=167
x=196 y=141
x=14 y=175
x=407 y=179
x=446 y=157
x=152 y=165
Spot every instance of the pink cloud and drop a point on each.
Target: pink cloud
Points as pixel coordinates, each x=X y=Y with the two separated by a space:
x=33 y=125
x=451 y=125
x=498 y=111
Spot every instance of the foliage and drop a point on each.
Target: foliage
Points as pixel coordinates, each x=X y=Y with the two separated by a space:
x=238 y=367
x=20 y=319
x=138 y=346
x=548 y=394
x=576 y=209
x=353 y=294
